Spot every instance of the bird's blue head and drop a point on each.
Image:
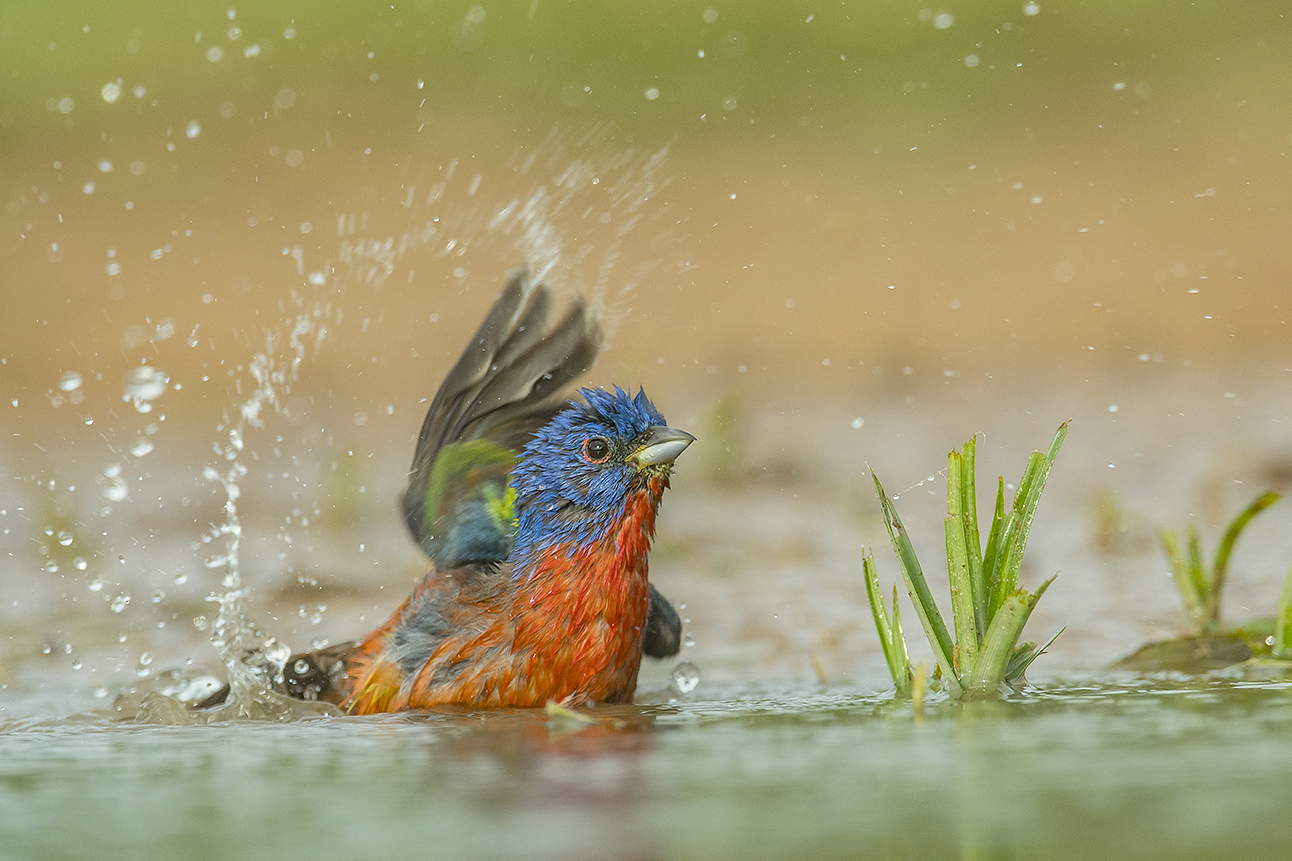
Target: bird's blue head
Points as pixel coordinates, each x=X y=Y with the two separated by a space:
x=579 y=468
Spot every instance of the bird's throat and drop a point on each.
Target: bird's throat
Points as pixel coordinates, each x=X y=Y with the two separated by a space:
x=582 y=612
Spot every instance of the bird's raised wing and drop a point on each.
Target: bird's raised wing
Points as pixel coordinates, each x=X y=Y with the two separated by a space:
x=507 y=383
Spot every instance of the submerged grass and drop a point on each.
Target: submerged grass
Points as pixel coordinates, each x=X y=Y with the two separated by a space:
x=988 y=608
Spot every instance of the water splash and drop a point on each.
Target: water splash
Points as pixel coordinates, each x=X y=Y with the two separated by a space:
x=565 y=207
x=253 y=659
x=569 y=224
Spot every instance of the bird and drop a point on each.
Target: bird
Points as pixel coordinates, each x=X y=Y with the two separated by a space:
x=537 y=513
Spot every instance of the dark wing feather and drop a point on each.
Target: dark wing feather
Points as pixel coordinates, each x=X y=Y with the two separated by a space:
x=502 y=389
x=663 y=635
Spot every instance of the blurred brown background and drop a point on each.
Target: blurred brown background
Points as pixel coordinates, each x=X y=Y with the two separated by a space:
x=824 y=236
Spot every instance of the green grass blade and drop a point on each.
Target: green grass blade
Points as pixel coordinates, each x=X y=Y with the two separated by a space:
x=991 y=556
x=1184 y=583
x=899 y=647
x=1219 y=569
x=962 y=605
x=918 y=588
x=1018 y=522
x=973 y=540
x=1282 y=647
x=1198 y=580
x=998 y=645
x=962 y=597
x=1023 y=657
x=1189 y=581
x=891 y=639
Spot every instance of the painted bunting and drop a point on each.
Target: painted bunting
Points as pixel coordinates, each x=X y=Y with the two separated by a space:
x=538 y=516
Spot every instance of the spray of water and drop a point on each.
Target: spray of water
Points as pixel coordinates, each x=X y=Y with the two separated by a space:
x=253 y=659
x=568 y=225
x=564 y=208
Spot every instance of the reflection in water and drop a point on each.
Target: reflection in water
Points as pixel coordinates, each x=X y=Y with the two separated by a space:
x=1088 y=768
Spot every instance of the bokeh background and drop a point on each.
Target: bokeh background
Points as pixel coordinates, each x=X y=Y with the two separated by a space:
x=824 y=237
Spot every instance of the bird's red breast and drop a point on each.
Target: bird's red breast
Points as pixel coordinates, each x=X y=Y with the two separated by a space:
x=567 y=628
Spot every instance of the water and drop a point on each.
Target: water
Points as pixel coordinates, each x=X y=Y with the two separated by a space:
x=846 y=239
x=1090 y=768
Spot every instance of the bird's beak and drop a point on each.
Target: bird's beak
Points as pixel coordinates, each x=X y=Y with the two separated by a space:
x=662 y=446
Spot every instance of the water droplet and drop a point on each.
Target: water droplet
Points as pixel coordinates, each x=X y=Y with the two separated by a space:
x=686 y=676
x=145 y=382
x=65 y=538
x=80 y=564
x=116 y=491
x=69 y=382
x=120 y=602
x=111 y=91
x=95 y=585
x=51 y=567
x=688 y=640
x=141 y=446
x=142 y=384
x=193 y=129
x=301 y=667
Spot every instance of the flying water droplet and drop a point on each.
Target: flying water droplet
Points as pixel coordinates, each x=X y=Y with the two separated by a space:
x=70 y=381
x=120 y=602
x=141 y=446
x=686 y=676
x=142 y=385
x=116 y=490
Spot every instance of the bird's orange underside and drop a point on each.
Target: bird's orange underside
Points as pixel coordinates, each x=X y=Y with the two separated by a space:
x=571 y=631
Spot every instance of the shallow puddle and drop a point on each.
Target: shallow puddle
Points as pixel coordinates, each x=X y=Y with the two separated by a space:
x=1092 y=768
x=824 y=240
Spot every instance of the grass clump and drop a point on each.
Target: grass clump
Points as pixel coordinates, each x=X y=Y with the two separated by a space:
x=1212 y=645
x=1201 y=589
x=988 y=608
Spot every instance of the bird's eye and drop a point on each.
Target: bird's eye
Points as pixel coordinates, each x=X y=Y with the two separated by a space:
x=596 y=449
